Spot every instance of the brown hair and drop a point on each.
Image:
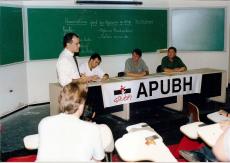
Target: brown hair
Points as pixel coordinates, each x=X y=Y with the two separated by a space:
x=71 y=96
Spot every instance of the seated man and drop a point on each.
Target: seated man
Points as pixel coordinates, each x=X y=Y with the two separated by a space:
x=172 y=63
x=135 y=66
x=92 y=69
x=65 y=137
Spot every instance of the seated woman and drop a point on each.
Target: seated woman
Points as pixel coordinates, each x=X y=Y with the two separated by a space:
x=65 y=137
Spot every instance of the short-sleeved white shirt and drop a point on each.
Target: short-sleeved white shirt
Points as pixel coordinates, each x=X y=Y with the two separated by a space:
x=227 y=143
x=66 y=138
x=66 y=68
x=84 y=69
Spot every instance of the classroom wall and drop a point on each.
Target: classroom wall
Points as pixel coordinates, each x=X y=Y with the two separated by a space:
x=13 y=89
x=30 y=79
x=229 y=59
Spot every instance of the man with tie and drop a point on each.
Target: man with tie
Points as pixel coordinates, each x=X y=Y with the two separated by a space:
x=67 y=67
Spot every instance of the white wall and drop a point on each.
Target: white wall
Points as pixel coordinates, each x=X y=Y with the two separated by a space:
x=13 y=77
x=39 y=75
x=229 y=58
x=33 y=77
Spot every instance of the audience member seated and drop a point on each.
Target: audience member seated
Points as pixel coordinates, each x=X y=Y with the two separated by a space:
x=172 y=63
x=135 y=66
x=92 y=70
x=222 y=147
x=205 y=153
x=159 y=69
x=197 y=151
x=65 y=137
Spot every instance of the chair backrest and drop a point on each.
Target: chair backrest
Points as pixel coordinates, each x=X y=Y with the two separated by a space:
x=193 y=112
x=159 y=69
x=31 y=141
x=107 y=138
x=120 y=74
x=107 y=141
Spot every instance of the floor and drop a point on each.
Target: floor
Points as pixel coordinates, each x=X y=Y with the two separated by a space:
x=16 y=126
x=166 y=122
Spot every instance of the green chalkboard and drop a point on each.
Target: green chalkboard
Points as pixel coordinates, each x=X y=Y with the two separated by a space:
x=106 y=31
x=11 y=35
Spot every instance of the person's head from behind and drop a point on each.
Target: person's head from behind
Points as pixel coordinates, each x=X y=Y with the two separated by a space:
x=171 y=52
x=71 y=41
x=94 y=60
x=136 y=54
x=72 y=98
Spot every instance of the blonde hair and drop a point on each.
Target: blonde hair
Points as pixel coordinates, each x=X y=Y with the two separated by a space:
x=71 y=96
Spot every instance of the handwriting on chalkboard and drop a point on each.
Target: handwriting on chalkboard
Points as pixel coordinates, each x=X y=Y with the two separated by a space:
x=106 y=31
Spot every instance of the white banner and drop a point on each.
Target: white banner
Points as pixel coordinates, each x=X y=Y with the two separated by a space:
x=151 y=88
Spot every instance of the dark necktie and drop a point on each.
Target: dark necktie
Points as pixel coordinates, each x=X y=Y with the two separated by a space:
x=77 y=65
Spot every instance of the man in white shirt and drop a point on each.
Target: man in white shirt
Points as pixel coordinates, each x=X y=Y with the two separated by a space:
x=92 y=69
x=67 y=138
x=67 y=69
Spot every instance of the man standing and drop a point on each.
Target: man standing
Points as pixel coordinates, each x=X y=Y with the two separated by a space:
x=172 y=63
x=135 y=66
x=92 y=70
x=67 y=68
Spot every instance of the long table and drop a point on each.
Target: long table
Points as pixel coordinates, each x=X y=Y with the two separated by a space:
x=213 y=86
